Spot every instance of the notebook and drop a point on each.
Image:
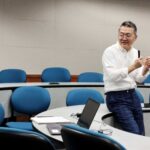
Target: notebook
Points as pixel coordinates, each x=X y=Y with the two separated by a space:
x=49 y=119
x=85 y=119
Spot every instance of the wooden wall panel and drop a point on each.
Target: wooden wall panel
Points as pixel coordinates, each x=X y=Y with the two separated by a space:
x=37 y=78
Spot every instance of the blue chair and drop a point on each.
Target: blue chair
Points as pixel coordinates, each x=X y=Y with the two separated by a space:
x=56 y=74
x=79 y=138
x=12 y=76
x=147 y=80
x=17 y=139
x=28 y=100
x=81 y=96
x=90 y=77
x=140 y=96
x=1 y=114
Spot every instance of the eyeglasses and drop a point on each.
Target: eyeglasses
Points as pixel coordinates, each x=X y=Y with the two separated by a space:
x=127 y=35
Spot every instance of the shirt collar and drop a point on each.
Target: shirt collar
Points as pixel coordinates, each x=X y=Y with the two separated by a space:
x=122 y=49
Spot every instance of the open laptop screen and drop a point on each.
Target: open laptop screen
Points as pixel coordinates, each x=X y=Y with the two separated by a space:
x=85 y=119
x=88 y=113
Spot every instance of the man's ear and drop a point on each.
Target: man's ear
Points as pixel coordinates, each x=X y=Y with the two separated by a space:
x=136 y=36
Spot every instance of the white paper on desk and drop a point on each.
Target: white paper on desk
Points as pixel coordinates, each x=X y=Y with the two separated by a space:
x=51 y=119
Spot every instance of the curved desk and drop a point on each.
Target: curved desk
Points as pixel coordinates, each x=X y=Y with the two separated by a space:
x=58 y=92
x=129 y=140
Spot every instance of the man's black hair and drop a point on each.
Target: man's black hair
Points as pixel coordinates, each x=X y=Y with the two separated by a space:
x=129 y=24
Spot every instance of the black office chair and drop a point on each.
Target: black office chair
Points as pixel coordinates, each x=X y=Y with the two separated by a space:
x=18 y=139
x=78 y=138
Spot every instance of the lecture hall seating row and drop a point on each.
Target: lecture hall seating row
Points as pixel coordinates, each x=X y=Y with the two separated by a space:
x=51 y=74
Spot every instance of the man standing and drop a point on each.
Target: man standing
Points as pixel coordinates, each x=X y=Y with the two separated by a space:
x=122 y=70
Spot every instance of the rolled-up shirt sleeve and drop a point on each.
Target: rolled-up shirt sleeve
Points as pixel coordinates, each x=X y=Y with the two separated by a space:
x=139 y=77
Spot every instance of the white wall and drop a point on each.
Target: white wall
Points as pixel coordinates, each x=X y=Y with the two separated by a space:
x=35 y=34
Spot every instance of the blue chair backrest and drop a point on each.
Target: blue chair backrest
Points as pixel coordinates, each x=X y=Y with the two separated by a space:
x=12 y=76
x=140 y=96
x=22 y=139
x=90 y=77
x=78 y=138
x=56 y=74
x=1 y=113
x=81 y=96
x=30 y=100
x=147 y=80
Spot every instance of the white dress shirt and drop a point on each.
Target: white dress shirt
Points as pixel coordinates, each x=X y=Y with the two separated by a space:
x=116 y=61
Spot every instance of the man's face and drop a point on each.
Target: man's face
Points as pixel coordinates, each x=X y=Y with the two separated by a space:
x=126 y=37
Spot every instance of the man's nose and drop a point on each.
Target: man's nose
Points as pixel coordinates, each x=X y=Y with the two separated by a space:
x=124 y=37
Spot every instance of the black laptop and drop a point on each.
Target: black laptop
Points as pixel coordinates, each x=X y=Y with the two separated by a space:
x=84 y=120
x=88 y=113
x=147 y=105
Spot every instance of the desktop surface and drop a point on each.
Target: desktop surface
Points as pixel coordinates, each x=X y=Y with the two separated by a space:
x=129 y=140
